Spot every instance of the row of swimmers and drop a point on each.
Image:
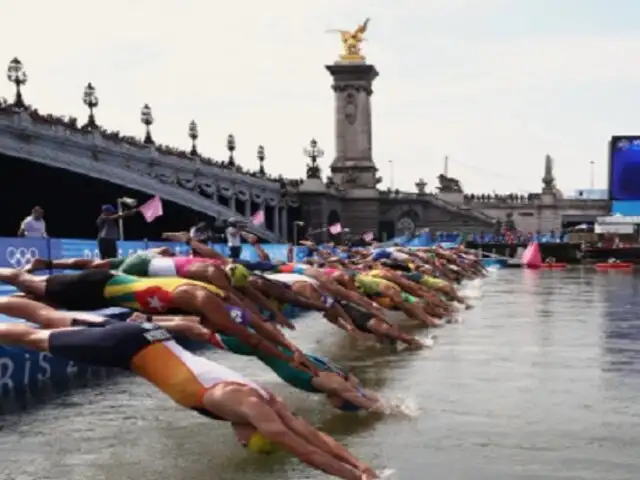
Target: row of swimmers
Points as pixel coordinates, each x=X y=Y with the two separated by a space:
x=236 y=307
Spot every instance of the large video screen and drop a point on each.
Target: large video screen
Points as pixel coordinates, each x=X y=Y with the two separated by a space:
x=624 y=168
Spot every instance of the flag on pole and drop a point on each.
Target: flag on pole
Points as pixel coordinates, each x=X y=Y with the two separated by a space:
x=152 y=209
x=368 y=236
x=258 y=217
x=335 y=229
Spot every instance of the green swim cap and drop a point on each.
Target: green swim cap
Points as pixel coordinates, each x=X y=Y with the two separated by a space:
x=258 y=443
x=238 y=274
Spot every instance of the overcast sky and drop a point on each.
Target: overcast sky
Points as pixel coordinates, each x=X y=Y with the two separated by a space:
x=493 y=84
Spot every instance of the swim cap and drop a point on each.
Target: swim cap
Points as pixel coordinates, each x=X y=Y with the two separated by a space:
x=259 y=444
x=238 y=274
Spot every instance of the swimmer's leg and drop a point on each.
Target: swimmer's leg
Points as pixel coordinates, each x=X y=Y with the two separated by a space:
x=25 y=282
x=18 y=334
x=41 y=314
x=65 y=264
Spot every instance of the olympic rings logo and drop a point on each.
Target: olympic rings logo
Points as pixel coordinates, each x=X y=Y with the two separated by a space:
x=89 y=255
x=19 y=257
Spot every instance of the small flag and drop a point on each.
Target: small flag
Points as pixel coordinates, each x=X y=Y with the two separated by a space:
x=258 y=217
x=335 y=229
x=152 y=209
x=368 y=236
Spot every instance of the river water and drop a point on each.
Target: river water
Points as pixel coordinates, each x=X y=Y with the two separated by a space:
x=541 y=380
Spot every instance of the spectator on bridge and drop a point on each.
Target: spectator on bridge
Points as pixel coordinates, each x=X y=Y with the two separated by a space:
x=109 y=230
x=234 y=239
x=34 y=225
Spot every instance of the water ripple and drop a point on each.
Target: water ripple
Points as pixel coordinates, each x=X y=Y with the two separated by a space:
x=540 y=381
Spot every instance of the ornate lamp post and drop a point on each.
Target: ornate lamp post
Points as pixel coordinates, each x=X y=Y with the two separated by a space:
x=90 y=99
x=231 y=147
x=146 y=117
x=313 y=152
x=193 y=135
x=17 y=75
x=261 y=157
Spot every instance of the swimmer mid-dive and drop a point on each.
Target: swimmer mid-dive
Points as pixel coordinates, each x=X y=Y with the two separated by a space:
x=96 y=289
x=260 y=420
x=382 y=330
x=342 y=389
x=162 y=262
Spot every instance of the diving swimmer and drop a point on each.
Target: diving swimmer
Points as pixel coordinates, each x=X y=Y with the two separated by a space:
x=260 y=420
x=341 y=388
x=96 y=289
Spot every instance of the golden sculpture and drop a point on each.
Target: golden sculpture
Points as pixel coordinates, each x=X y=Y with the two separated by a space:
x=351 y=42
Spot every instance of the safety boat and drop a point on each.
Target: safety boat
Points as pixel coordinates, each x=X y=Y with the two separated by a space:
x=613 y=266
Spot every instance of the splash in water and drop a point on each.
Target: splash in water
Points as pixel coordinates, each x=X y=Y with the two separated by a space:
x=387 y=474
x=428 y=341
x=472 y=289
x=402 y=406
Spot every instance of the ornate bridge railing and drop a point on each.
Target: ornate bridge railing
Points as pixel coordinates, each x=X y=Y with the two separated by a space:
x=157 y=177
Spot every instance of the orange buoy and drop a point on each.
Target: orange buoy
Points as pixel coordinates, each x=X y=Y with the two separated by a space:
x=614 y=266
x=554 y=266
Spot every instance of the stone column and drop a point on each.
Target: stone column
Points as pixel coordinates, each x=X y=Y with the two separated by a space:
x=247 y=207
x=276 y=220
x=285 y=224
x=352 y=84
x=232 y=203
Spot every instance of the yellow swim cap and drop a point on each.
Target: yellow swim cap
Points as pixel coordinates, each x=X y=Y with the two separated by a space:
x=238 y=274
x=259 y=444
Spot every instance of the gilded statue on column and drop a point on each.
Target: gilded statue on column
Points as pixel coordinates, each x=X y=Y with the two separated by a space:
x=351 y=41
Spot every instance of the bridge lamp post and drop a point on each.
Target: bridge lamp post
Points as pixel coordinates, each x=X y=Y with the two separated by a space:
x=17 y=75
x=231 y=147
x=146 y=117
x=313 y=153
x=193 y=135
x=261 y=157
x=91 y=101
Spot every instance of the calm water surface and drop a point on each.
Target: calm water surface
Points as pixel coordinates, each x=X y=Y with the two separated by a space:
x=540 y=381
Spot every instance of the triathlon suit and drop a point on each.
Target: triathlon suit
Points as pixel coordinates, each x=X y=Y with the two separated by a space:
x=259 y=266
x=291 y=278
x=300 y=379
x=358 y=316
x=370 y=286
x=381 y=254
x=330 y=272
x=151 y=352
x=299 y=268
x=95 y=289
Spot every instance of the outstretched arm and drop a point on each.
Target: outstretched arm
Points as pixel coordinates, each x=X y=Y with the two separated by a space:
x=267 y=421
x=318 y=439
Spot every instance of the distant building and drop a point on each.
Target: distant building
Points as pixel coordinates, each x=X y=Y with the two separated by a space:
x=591 y=194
